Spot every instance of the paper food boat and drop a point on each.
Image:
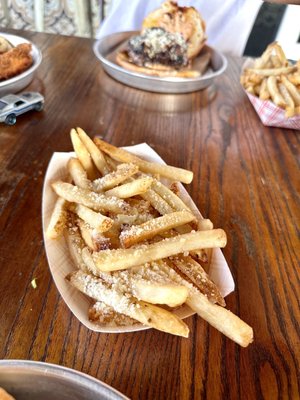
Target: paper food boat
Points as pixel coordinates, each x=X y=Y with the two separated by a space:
x=61 y=264
x=269 y=113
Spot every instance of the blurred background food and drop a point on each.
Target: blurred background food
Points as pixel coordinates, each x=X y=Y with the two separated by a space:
x=273 y=20
x=14 y=60
x=273 y=77
x=169 y=40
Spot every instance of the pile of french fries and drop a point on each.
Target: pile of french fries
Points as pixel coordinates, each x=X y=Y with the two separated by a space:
x=139 y=250
x=275 y=78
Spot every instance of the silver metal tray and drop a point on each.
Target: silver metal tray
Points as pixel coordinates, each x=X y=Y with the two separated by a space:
x=32 y=380
x=19 y=82
x=106 y=48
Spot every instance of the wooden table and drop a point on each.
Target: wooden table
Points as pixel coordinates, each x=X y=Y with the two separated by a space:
x=246 y=181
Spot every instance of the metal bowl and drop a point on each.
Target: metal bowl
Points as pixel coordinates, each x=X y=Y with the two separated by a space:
x=32 y=380
x=105 y=50
x=19 y=82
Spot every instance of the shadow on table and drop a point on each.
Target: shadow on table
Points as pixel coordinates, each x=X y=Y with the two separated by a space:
x=155 y=102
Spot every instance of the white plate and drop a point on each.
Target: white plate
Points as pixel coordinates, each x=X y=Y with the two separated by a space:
x=105 y=50
x=61 y=264
x=19 y=82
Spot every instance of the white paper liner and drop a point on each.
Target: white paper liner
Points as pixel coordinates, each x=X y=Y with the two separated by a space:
x=269 y=113
x=61 y=264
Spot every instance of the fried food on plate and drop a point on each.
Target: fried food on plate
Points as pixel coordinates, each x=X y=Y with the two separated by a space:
x=135 y=244
x=15 y=61
x=273 y=77
x=171 y=37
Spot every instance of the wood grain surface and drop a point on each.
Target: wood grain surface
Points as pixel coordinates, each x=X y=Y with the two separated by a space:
x=246 y=180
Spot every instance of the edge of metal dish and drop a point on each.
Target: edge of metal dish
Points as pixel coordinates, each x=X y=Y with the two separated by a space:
x=12 y=370
x=23 y=79
x=151 y=83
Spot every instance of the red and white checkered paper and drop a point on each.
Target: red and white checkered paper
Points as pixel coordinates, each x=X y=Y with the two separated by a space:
x=272 y=115
x=268 y=112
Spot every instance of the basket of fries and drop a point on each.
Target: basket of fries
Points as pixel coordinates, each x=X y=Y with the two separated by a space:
x=128 y=248
x=272 y=84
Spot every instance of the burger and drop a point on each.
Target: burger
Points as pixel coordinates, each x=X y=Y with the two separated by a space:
x=171 y=37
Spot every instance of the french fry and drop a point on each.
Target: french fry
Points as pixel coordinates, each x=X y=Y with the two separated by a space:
x=76 y=244
x=199 y=254
x=280 y=53
x=112 y=236
x=202 y=225
x=257 y=89
x=58 y=219
x=166 y=171
x=82 y=154
x=220 y=318
x=292 y=89
x=122 y=173
x=130 y=189
x=274 y=92
x=272 y=71
x=86 y=234
x=264 y=59
x=250 y=89
x=254 y=79
x=104 y=315
x=204 y=255
x=291 y=111
x=264 y=93
x=275 y=60
x=93 y=200
x=100 y=241
x=193 y=271
x=290 y=105
x=170 y=197
x=294 y=78
x=78 y=174
x=112 y=260
x=153 y=227
x=205 y=224
x=95 y=219
x=170 y=294
x=95 y=241
x=112 y=164
x=146 y=313
x=96 y=154
x=157 y=202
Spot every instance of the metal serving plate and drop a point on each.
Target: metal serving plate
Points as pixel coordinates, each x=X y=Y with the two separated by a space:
x=19 y=82
x=33 y=380
x=106 y=48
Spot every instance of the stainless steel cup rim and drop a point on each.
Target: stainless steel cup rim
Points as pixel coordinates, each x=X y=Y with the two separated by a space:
x=70 y=376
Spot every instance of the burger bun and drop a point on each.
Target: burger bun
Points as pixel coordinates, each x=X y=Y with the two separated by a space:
x=185 y=20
